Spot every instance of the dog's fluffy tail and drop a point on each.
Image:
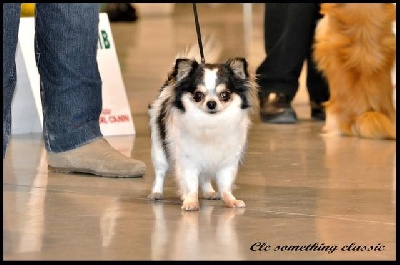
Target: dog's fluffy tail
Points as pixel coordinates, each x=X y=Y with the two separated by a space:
x=211 y=49
x=375 y=125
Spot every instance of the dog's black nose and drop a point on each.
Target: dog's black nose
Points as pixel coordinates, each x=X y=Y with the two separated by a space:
x=211 y=104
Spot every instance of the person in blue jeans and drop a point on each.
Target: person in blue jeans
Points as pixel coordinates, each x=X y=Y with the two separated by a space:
x=288 y=38
x=66 y=36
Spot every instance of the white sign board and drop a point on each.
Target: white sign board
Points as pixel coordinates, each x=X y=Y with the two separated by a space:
x=27 y=117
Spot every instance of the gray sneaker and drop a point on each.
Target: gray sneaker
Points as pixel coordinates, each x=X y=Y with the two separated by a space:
x=98 y=158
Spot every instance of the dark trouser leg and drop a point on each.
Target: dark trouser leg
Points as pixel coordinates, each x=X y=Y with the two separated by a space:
x=317 y=85
x=289 y=30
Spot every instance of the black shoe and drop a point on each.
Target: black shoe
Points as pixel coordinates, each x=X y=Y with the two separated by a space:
x=276 y=108
x=317 y=111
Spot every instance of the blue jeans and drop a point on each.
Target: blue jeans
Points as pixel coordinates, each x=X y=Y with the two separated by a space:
x=66 y=38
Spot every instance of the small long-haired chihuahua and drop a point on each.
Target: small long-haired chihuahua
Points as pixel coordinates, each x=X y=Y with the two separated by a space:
x=199 y=126
x=355 y=48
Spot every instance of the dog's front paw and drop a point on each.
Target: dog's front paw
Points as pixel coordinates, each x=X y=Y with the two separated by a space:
x=156 y=196
x=190 y=206
x=234 y=204
x=211 y=195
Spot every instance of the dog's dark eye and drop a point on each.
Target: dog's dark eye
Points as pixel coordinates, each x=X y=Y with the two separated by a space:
x=224 y=96
x=198 y=96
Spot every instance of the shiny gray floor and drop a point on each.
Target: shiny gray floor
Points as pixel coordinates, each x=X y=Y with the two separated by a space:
x=334 y=196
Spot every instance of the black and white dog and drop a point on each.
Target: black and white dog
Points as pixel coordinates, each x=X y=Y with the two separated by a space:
x=199 y=126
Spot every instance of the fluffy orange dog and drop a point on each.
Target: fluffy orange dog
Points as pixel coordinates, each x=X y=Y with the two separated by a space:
x=355 y=48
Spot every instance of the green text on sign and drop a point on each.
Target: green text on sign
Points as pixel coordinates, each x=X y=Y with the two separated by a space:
x=104 y=43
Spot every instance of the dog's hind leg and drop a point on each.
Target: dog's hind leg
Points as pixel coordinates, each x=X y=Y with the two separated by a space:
x=208 y=191
x=157 y=192
x=161 y=165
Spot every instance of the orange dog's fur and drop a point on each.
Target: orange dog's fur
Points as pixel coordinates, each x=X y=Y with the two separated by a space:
x=355 y=49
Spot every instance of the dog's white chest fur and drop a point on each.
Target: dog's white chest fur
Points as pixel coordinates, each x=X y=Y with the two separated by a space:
x=212 y=140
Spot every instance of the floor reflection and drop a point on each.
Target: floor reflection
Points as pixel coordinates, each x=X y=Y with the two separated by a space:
x=183 y=238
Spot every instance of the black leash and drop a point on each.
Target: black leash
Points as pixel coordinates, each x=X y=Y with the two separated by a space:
x=198 y=33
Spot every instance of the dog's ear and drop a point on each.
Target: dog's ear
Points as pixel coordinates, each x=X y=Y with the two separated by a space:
x=183 y=68
x=239 y=67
